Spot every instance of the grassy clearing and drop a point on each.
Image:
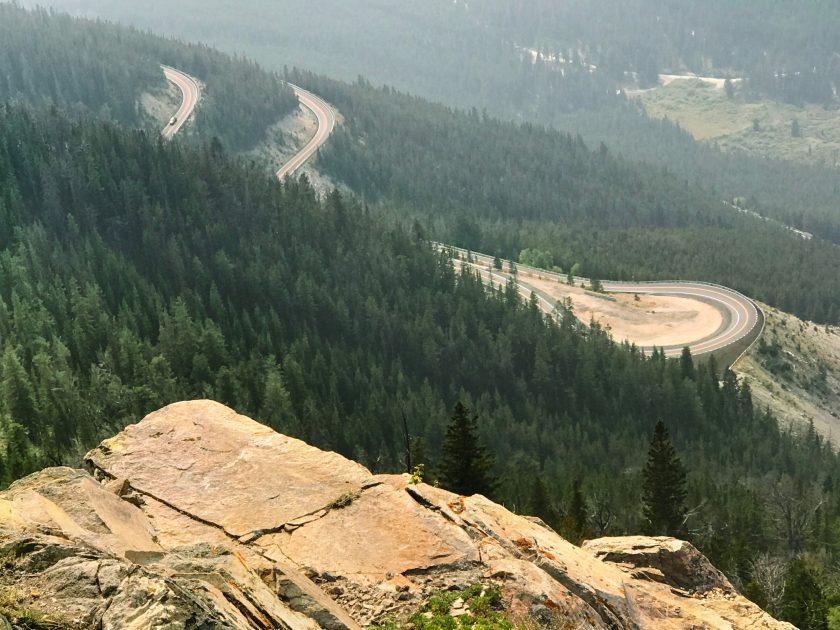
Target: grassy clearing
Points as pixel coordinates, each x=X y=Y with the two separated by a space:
x=707 y=113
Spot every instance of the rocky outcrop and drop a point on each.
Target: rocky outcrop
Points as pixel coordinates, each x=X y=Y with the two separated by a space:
x=661 y=559
x=200 y=518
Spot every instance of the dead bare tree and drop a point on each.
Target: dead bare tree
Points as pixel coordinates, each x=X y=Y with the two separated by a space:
x=409 y=467
x=601 y=514
x=770 y=573
x=793 y=508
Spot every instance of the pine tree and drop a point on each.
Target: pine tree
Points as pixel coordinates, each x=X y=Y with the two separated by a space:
x=686 y=364
x=277 y=410
x=803 y=604
x=19 y=461
x=577 y=512
x=539 y=503
x=467 y=466
x=16 y=390
x=663 y=490
x=729 y=88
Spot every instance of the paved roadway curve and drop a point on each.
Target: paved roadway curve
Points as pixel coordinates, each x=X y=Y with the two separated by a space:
x=190 y=96
x=740 y=314
x=326 y=123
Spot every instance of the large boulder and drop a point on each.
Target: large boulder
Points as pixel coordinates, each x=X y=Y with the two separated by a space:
x=662 y=559
x=197 y=517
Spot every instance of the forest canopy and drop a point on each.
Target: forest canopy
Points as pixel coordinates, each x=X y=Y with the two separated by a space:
x=92 y=67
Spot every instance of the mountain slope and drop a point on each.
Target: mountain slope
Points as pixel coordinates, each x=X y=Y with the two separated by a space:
x=134 y=273
x=146 y=273
x=471 y=55
x=795 y=371
x=49 y=59
x=500 y=188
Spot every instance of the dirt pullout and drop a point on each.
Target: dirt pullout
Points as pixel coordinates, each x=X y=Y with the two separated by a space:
x=650 y=320
x=794 y=370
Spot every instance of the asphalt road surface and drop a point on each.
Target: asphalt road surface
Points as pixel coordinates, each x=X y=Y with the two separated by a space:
x=326 y=123
x=190 y=96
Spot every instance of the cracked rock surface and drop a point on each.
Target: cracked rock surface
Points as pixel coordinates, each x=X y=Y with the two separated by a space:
x=197 y=517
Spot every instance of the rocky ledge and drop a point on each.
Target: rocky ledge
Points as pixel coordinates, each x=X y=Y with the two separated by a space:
x=201 y=518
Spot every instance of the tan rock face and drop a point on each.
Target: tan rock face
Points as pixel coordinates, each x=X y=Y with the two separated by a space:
x=199 y=517
x=201 y=453
x=661 y=559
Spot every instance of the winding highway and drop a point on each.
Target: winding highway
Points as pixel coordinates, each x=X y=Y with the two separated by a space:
x=190 y=96
x=740 y=316
x=326 y=123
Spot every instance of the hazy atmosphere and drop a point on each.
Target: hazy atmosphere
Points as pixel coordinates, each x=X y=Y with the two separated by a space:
x=420 y=315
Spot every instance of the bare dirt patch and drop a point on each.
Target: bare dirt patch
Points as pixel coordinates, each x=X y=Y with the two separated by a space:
x=716 y=82
x=652 y=320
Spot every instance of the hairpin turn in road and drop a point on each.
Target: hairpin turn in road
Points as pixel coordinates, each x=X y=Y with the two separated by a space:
x=740 y=315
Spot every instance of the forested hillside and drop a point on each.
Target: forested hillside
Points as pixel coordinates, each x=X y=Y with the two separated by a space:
x=428 y=47
x=98 y=68
x=502 y=187
x=802 y=196
x=474 y=57
x=486 y=185
x=787 y=49
x=134 y=273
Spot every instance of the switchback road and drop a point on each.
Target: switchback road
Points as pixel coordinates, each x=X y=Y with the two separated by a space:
x=326 y=123
x=740 y=316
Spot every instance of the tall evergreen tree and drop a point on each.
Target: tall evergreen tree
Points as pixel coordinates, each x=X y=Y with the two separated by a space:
x=577 y=512
x=467 y=465
x=663 y=490
x=277 y=410
x=803 y=604
x=686 y=364
x=539 y=503
x=16 y=389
